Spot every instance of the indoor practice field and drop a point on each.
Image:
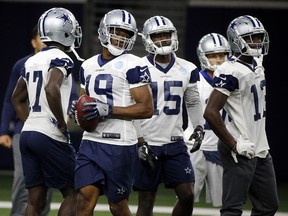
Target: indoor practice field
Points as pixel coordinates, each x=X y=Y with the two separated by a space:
x=163 y=206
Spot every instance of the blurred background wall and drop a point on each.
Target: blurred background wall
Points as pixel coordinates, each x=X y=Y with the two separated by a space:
x=192 y=19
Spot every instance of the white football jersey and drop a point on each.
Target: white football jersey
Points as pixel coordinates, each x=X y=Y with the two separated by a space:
x=246 y=103
x=205 y=88
x=168 y=87
x=36 y=75
x=110 y=82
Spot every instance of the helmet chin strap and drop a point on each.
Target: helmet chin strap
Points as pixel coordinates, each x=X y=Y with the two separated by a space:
x=114 y=51
x=254 y=52
x=163 y=50
x=248 y=51
x=76 y=54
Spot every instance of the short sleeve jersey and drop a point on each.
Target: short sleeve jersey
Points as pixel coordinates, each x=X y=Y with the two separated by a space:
x=168 y=87
x=110 y=82
x=246 y=104
x=36 y=75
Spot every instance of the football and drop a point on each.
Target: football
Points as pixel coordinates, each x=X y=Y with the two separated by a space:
x=87 y=125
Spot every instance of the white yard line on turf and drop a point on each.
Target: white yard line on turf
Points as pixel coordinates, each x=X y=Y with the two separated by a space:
x=157 y=209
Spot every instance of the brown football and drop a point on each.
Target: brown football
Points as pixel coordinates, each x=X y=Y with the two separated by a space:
x=87 y=125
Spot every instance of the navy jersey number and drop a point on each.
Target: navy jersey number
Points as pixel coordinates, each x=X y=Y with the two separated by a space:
x=102 y=89
x=167 y=97
x=254 y=92
x=38 y=79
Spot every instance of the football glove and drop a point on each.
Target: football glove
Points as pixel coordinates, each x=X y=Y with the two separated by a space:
x=65 y=132
x=146 y=155
x=196 y=139
x=97 y=109
x=73 y=109
x=243 y=147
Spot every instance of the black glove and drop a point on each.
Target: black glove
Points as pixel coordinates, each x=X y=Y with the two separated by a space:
x=196 y=138
x=146 y=155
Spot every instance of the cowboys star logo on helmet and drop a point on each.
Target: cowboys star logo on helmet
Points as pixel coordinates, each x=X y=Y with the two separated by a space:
x=66 y=19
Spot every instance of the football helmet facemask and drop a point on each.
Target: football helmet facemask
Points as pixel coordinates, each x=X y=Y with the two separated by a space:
x=60 y=25
x=157 y=25
x=110 y=25
x=246 y=26
x=211 y=44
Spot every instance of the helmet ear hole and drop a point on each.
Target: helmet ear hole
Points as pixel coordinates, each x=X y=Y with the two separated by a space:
x=66 y=35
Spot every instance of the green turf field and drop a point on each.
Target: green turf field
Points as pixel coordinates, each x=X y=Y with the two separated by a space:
x=165 y=198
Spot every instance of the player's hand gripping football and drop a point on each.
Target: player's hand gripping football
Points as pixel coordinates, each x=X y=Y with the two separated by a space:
x=97 y=109
x=146 y=155
x=196 y=138
x=243 y=147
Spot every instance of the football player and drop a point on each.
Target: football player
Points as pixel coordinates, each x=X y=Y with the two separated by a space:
x=41 y=100
x=120 y=88
x=240 y=87
x=173 y=81
x=213 y=49
x=19 y=194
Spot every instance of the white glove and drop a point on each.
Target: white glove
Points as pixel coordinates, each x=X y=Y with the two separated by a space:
x=97 y=109
x=245 y=148
x=234 y=155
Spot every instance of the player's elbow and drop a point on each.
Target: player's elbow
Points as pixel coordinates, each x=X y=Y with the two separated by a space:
x=48 y=90
x=149 y=111
x=19 y=97
x=14 y=99
x=52 y=92
x=208 y=115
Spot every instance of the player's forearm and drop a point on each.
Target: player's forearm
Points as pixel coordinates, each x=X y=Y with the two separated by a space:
x=217 y=125
x=19 y=100
x=22 y=110
x=135 y=111
x=53 y=96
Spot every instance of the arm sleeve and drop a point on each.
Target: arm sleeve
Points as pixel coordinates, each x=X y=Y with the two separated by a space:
x=194 y=106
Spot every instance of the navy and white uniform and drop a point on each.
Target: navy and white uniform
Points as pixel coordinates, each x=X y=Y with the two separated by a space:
x=47 y=158
x=245 y=86
x=107 y=154
x=206 y=161
x=171 y=86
